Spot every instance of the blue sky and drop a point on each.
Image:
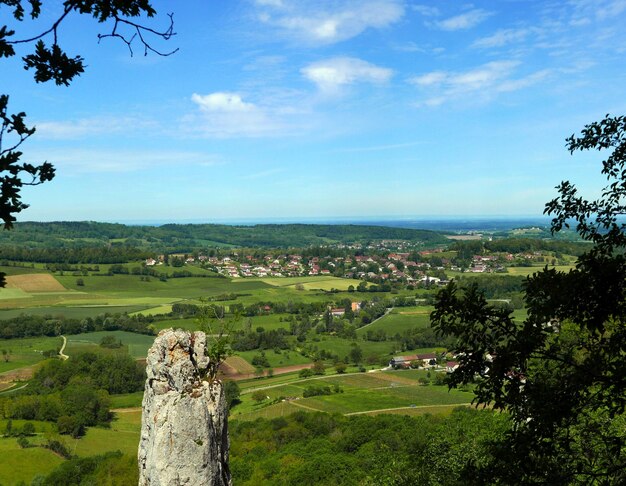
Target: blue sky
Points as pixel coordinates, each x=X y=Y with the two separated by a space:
x=320 y=109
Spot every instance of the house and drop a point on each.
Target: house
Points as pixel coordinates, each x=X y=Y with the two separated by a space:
x=424 y=359
x=337 y=311
x=451 y=366
x=150 y=262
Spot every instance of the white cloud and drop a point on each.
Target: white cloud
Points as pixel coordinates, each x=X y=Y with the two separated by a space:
x=226 y=114
x=325 y=22
x=502 y=37
x=222 y=103
x=331 y=74
x=464 y=21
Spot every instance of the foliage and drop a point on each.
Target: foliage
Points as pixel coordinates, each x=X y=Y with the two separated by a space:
x=232 y=393
x=326 y=449
x=109 y=468
x=109 y=341
x=92 y=236
x=50 y=62
x=560 y=373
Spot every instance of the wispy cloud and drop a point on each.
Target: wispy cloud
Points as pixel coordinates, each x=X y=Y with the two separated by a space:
x=481 y=82
x=426 y=10
x=464 y=21
x=70 y=160
x=331 y=75
x=377 y=148
x=92 y=126
x=502 y=37
x=326 y=22
x=264 y=173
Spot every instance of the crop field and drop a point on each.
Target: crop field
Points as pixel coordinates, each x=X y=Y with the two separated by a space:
x=34 y=282
x=238 y=365
x=313 y=282
x=26 y=351
x=138 y=344
x=525 y=271
x=360 y=393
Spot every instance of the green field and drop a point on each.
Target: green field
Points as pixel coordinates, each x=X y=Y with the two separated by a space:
x=26 y=351
x=76 y=312
x=122 y=436
x=401 y=319
x=24 y=464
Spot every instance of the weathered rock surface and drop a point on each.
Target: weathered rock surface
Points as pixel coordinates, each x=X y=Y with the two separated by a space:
x=184 y=433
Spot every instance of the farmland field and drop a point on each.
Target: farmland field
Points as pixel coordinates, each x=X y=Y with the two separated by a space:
x=34 y=282
x=360 y=393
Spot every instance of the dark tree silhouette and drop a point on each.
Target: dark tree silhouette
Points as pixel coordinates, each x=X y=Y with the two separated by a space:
x=560 y=374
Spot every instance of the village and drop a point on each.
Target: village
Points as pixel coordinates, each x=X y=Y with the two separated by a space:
x=379 y=263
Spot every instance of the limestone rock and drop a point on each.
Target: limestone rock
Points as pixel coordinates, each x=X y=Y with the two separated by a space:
x=184 y=432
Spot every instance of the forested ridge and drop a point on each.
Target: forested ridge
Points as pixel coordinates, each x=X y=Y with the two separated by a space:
x=187 y=237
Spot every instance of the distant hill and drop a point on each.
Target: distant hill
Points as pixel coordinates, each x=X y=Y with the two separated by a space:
x=189 y=237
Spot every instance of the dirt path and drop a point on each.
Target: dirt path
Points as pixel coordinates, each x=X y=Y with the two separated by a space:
x=294 y=402
x=63 y=356
x=126 y=410
x=409 y=408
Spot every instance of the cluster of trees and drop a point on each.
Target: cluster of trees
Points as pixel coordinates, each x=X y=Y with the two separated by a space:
x=311 y=448
x=259 y=339
x=320 y=390
x=26 y=325
x=67 y=254
x=560 y=373
x=75 y=393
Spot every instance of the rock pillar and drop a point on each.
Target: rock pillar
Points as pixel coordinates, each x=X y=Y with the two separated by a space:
x=184 y=433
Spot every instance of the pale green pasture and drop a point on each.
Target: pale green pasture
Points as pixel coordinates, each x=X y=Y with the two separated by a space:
x=155 y=311
x=127 y=400
x=6 y=294
x=138 y=344
x=276 y=360
x=122 y=436
x=401 y=319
